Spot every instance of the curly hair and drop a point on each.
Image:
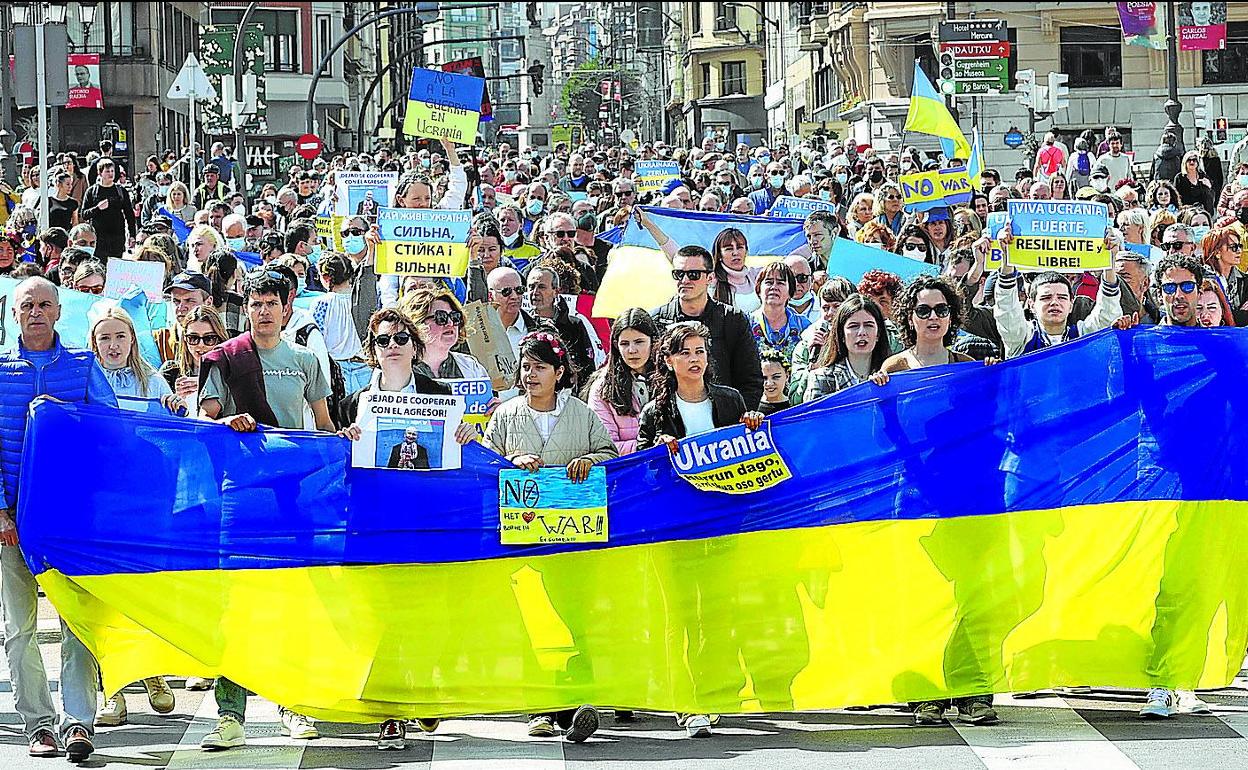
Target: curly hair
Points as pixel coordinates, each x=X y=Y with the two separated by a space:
x=1180 y=262
x=398 y=318
x=908 y=300
x=872 y=229
x=878 y=282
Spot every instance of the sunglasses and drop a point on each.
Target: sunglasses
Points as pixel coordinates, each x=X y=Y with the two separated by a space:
x=1174 y=245
x=91 y=289
x=1236 y=247
x=384 y=340
x=892 y=197
x=445 y=318
x=509 y=290
x=801 y=277
x=563 y=233
x=926 y=311
x=1187 y=287
x=205 y=339
x=353 y=231
x=692 y=275
x=626 y=193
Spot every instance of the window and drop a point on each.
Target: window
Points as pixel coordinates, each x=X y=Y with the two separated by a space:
x=1229 y=65
x=706 y=80
x=1092 y=56
x=324 y=42
x=112 y=34
x=824 y=79
x=926 y=57
x=696 y=18
x=725 y=16
x=281 y=35
x=734 y=78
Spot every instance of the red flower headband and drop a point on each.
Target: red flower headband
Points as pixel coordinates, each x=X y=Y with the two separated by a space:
x=546 y=337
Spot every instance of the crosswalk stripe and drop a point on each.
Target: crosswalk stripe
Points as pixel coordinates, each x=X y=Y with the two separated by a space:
x=467 y=744
x=266 y=749
x=1042 y=733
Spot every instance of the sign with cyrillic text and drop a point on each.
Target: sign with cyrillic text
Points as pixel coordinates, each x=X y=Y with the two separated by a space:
x=430 y=243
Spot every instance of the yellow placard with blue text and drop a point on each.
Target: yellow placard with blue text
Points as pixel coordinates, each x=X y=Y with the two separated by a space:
x=734 y=460
x=544 y=506
x=430 y=243
x=935 y=189
x=1064 y=236
x=330 y=230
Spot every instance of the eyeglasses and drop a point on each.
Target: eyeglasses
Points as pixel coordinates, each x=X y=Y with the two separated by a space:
x=91 y=289
x=1174 y=245
x=563 y=233
x=1187 y=287
x=623 y=193
x=445 y=318
x=201 y=339
x=925 y=311
x=384 y=340
x=507 y=291
x=892 y=197
x=801 y=277
x=353 y=231
x=692 y=275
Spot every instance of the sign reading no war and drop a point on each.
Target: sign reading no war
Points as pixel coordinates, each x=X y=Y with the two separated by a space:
x=430 y=243
x=546 y=507
x=935 y=189
x=1066 y=236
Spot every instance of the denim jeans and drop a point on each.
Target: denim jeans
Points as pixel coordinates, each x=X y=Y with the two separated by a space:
x=79 y=672
x=231 y=699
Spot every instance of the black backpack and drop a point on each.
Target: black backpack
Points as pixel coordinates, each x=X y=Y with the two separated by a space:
x=337 y=382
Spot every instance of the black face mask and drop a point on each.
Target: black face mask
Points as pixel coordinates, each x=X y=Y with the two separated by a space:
x=877 y=176
x=1243 y=216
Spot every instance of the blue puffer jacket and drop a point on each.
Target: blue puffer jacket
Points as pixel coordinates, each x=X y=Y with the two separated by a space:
x=69 y=375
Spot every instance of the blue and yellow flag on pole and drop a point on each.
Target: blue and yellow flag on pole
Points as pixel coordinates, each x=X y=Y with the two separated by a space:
x=962 y=530
x=928 y=115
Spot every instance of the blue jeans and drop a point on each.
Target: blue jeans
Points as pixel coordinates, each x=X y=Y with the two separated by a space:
x=79 y=672
x=231 y=699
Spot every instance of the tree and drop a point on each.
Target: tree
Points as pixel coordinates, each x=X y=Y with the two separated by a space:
x=582 y=97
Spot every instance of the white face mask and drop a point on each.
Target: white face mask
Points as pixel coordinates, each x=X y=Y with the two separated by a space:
x=914 y=253
x=1100 y=184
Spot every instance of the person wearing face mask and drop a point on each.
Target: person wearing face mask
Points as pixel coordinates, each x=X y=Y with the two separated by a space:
x=516 y=248
x=303 y=240
x=234 y=228
x=533 y=203
x=774 y=188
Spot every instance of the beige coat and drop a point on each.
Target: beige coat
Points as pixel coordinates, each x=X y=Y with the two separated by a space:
x=579 y=433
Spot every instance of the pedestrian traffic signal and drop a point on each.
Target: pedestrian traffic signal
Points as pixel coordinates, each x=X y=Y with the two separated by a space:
x=1202 y=113
x=1221 y=126
x=945 y=77
x=1024 y=86
x=1059 y=91
x=537 y=71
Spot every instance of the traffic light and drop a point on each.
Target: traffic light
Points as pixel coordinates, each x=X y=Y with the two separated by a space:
x=1220 y=128
x=1024 y=86
x=945 y=76
x=537 y=71
x=1202 y=113
x=1059 y=91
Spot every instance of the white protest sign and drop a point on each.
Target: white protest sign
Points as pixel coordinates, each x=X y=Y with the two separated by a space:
x=408 y=431
x=362 y=193
x=125 y=273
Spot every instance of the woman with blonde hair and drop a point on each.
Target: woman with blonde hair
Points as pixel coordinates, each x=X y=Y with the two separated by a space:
x=115 y=344
x=861 y=210
x=1191 y=183
x=178 y=202
x=888 y=207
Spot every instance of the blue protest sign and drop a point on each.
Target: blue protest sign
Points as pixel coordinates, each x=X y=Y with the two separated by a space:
x=446 y=89
x=792 y=207
x=544 y=506
x=852 y=260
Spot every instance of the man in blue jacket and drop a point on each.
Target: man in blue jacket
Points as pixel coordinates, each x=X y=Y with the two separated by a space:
x=41 y=366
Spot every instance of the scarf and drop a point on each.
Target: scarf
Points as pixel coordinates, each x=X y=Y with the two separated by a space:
x=738 y=279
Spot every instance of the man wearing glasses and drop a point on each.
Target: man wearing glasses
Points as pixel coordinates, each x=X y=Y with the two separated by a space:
x=733 y=348
x=1177 y=239
x=1178 y=277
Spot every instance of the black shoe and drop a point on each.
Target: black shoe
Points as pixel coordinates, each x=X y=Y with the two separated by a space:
x=584 y=724
x=78 y=746
x=564 y=719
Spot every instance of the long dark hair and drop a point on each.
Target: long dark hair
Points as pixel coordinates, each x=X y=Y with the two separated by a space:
x=837 y=349
x=663 y=379
x=723 y=289
x=617 y=378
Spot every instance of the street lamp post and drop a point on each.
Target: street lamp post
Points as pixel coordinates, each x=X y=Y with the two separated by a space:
x=240 y=136
x=39 y=15
x=1173 y=106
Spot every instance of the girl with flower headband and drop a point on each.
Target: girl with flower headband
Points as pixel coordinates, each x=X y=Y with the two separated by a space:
x=544 y=427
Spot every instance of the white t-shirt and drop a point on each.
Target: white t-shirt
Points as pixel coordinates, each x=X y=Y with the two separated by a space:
x=697 y=417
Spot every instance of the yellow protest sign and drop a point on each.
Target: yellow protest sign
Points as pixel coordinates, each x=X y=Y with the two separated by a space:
x=443 y=105
x=431 y=243
x=935 y=189
x=546 y=507
x=734 y=460
x=437 y=122
x=1065 y=236
x=330 y=230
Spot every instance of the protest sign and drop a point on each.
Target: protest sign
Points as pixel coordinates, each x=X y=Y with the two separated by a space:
x=124 y=273
x=477 y=394
x=408 y=431
x=735 y=460
x=546 y=507
x=853 y=260
x=443 y=105
x=362 y=193
x=935 y=189
x=1066 y=236
x=653 y=175
x=431 y=243
x=476 y=68
x=996 y=252
x=330 y=230
x=488 y=343
x=792 y=207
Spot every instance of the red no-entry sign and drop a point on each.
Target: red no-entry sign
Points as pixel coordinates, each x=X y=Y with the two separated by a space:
x=309 y=146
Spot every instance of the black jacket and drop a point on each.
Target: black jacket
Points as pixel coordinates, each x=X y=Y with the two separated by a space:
x=422 y=457
x=733 y=348
x=574 y=334
x=726 y=409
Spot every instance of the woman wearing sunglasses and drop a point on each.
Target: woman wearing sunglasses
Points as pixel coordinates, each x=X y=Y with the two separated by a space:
x=89 y=277
x=888 y=209
x=929 y=312
x=1224 y=251
x=202 y=331
x=440 y=318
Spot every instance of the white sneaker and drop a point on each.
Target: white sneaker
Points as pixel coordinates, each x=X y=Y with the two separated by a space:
x=112 y=713
x=698 y=726
x=1160 y=704
x=1187 y=702
x=159 y=695
x=227 y=734
x=298 y=727
x=198 y=683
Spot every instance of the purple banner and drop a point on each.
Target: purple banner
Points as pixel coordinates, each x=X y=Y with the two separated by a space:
x=1138 y=18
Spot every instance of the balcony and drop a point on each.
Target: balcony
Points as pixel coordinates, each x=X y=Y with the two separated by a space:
x=806 y=39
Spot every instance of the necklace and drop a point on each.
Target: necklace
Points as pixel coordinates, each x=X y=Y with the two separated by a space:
x=917 y=357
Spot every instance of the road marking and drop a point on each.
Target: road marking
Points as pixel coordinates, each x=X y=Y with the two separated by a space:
x=266 y=749
x=468 y=744
x=1044 y=733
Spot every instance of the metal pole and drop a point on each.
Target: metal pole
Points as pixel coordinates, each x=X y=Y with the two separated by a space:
x=240 y=136
x=6 y=168
x=190 y=165
x=1173 y=107
x=41 y=99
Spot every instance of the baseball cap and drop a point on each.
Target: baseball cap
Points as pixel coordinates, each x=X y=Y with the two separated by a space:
x=212 y=168
x=189 y=280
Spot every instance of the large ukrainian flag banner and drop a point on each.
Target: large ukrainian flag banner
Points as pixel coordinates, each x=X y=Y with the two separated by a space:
x=1072 y=517
x=640 y=275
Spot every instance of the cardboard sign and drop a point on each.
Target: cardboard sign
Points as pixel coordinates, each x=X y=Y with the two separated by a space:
x=1065 y=236
x=431 y=243
x=362 y=193
x=488 y=343
x=654 y=175
x=734 y=460
x=996 y=252
x=546 y=507
x=935 y=189
x=122 y=274
x=791 y=207
x=330 y=230
x=407 y=431
x=443 y=105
